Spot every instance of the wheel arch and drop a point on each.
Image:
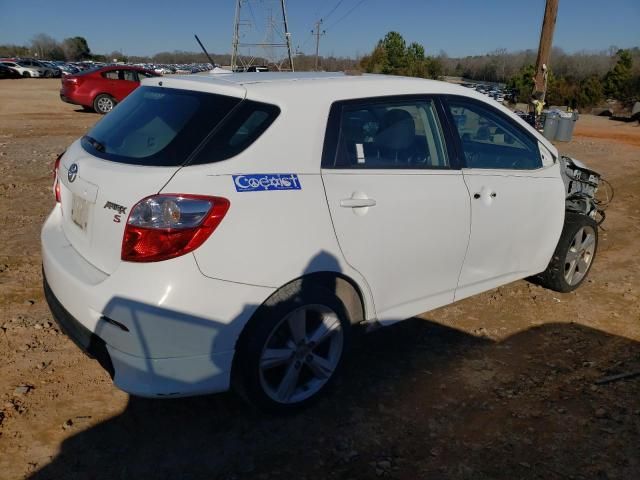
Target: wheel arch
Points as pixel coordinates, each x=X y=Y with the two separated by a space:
x=347 y=291
x=344 y=287
x=339 y=284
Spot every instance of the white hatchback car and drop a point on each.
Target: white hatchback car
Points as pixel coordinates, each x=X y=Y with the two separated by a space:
x=230 y=229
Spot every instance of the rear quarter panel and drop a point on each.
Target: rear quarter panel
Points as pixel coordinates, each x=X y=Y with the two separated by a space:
x=272 y=237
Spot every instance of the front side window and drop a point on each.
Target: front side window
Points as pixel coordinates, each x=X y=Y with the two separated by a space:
x=394 y=134
x=492 y=141
x=129 y=75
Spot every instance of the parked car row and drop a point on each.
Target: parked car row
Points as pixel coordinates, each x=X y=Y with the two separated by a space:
x=29 y=67
x=177 y=68
x=499 y=94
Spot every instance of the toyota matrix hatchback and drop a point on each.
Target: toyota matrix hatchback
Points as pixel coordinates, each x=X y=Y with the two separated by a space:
x=229 y=230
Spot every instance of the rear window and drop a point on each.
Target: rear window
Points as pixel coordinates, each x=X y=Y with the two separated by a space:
x=164 y=127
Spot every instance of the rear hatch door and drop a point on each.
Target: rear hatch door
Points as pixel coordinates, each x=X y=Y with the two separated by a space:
x=129 y=155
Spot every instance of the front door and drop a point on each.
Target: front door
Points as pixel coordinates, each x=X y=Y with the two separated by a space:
x=399 y=208
x=516 y=201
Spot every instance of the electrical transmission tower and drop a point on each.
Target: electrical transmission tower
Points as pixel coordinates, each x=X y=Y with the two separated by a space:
x=271 y=45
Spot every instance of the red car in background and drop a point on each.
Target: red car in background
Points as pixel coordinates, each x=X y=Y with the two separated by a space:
x=101 y=89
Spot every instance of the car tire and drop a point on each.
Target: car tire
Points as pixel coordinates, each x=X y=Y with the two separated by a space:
x=103 y=103
x=292 y=349
x=48 y=74
x=574 y=254
x=26 y=74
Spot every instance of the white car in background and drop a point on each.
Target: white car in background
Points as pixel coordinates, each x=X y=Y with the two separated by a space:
x=24 y=69
x=231 y=229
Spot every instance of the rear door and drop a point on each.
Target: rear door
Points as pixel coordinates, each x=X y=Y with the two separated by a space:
x=120 y=83
x=398 y=202
x=517 y=202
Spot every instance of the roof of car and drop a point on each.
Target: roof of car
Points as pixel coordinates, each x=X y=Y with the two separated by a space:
x=276 y=86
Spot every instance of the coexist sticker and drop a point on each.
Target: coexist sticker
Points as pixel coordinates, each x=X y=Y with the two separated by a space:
x=257 y=182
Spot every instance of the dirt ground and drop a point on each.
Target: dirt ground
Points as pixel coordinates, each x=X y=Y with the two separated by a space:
x=499 y=386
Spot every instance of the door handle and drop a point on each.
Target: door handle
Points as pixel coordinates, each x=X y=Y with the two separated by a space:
x=357 y=202
x=493 y=194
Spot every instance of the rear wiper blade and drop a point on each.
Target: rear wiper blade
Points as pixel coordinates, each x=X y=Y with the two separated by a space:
x=94 y=143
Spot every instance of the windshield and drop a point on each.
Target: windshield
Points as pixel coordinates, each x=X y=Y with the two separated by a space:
x=157 y=126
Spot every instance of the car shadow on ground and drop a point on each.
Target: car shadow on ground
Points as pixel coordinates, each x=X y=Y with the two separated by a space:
x=415 y=400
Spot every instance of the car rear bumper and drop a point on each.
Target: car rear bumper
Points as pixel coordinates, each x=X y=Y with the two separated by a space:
x=160 y=329
x=88 y=342
x=64 y=98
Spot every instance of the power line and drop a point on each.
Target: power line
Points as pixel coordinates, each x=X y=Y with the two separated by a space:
x=333 y=9
x=346 y=14
x=321 y=19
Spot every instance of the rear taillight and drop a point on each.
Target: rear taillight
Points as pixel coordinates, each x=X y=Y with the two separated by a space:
x=56 y=179
x=169 y=225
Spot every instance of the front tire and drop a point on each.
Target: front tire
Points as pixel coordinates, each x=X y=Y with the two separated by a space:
x=26 y=74
x=103 y=103
x=574 y=254
x=292 y=349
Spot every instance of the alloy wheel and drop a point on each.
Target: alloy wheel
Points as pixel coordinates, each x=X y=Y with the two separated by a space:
x=105 y=104
x=580 y=255
x=301 y=354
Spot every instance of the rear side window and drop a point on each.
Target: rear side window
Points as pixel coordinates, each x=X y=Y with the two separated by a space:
x=157 y=126
x=249 y=120
x=389 y=134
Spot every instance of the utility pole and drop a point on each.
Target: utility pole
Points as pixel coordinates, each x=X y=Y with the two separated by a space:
x=287 y=35
x=317 y=33
x=544 y=50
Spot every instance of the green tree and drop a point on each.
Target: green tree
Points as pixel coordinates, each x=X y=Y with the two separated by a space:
x=76 y=48
x=377 y=62
x=618 y=81
x=590 y=92
x=392 y=56
x=396 y=49
x=416 y=64
x=522 y=82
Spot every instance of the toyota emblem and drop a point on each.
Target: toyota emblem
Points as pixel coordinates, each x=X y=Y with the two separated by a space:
x=73 y=172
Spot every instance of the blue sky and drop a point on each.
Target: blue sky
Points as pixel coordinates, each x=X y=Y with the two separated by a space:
x=459 y=27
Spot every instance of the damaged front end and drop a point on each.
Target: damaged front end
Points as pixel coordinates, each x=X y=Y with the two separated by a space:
x=581 y=185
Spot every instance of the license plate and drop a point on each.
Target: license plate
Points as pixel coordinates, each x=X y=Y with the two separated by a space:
x=80 y=212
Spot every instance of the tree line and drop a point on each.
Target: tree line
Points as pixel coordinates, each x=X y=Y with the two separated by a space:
x=582 y=78
x=46 y=47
